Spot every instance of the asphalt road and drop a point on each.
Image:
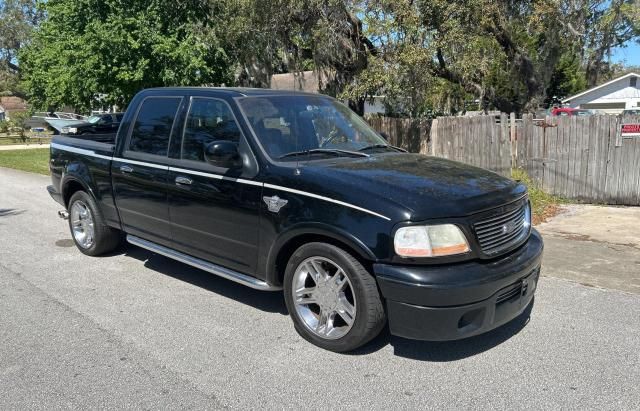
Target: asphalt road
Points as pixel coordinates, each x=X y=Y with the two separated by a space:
x=137 y=330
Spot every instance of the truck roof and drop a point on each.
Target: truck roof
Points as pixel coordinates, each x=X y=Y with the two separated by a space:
x=238 y=91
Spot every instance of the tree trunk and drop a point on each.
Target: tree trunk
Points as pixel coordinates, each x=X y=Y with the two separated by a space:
x=357 y=106
x=593 y=70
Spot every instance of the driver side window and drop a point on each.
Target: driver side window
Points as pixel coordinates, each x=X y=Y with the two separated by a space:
x=208 y=120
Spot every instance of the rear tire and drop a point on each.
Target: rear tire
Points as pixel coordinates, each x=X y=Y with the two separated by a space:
x=332 y=299
x=88 y=228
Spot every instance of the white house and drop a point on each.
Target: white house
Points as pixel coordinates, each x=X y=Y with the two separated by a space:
x=611 y=97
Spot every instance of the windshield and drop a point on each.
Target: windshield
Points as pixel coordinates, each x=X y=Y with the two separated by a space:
x=304 y=124
x=93 y=119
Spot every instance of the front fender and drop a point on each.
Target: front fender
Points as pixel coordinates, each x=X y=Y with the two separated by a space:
x=313 y=229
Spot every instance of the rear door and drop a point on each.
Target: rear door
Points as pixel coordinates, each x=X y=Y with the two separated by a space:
x=214 y=211
x=140 y=175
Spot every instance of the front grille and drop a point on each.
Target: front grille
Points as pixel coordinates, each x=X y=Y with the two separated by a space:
x=503 y=231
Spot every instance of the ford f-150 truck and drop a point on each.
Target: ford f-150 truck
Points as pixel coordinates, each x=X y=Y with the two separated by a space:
x=287 y=190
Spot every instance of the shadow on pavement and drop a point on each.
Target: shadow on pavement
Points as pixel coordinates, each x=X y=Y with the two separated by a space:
x=4 y=212
x=444 y=351
x=263 y=300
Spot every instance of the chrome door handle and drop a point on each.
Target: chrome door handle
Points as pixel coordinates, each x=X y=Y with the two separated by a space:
x=126 y=169
x=183 y=180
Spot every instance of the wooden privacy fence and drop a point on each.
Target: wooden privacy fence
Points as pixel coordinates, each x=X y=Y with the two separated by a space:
x=481 y=141
x=582 y=158
x=410 y=134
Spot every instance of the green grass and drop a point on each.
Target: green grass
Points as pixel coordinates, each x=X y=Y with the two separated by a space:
x=35 y=160
x=544 y=205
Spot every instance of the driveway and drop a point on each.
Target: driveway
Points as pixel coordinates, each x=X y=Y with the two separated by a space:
x=137 y=330
x=596 y=246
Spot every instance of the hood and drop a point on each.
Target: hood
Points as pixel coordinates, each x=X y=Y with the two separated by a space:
x=423 y=186
x=59 y=123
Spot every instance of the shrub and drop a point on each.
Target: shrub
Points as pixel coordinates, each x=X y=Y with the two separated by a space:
x=543 y=205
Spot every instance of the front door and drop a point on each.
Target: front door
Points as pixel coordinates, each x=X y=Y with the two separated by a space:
x=214 y=211
x=140 y=176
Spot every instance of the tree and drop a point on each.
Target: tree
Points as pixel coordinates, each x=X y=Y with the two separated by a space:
x=502 y=53
x=508 y=54
x=271 y=36
x=568 y=78
x=17 y=21
x=101 y=52
x=425 y=56
x=596 y=27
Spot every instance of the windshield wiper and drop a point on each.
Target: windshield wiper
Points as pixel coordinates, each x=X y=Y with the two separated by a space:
x=382 y=146
x=334 y=151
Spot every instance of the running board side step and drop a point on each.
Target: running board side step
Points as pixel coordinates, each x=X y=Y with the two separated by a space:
x=203 y=265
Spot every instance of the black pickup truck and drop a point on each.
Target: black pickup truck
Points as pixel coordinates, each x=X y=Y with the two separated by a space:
x=285 y=190
x=98 y=124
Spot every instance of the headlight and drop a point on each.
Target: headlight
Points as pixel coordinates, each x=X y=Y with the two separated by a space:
x=73 y=130
x=430 y=241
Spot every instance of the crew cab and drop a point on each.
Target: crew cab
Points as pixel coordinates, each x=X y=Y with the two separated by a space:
x=288 y=190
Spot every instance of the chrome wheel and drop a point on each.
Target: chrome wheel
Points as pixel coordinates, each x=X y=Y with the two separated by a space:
x=82 y=224
x=324 y=298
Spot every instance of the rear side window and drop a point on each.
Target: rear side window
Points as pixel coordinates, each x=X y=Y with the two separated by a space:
x=208 y=120
x=152 y=128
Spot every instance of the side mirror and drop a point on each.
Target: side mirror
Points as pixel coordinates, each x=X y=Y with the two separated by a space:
x=223 y=154
x=384 y=135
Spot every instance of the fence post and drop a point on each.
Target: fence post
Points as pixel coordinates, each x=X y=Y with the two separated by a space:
x=514 y=145
x=434 y=136
x=423 y=137
x=618 y=132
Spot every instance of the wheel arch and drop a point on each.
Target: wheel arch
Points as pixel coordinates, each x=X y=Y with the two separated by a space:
x=292 y=239
x=70 y=185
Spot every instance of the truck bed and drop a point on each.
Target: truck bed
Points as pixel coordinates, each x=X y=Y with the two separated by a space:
x=89 y=157
x=103 y=143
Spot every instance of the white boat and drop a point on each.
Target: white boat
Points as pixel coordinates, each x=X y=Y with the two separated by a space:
x=57 y=119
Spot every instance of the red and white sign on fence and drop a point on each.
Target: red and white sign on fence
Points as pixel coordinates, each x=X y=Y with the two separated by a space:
x=630 y=130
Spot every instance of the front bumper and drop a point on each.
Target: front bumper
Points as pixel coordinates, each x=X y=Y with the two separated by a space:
x=451 y=302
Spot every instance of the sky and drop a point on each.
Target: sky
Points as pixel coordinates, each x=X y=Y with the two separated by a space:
x=629 y=55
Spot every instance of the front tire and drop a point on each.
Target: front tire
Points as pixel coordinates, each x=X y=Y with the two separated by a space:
x=88 y=228
x=332 y=299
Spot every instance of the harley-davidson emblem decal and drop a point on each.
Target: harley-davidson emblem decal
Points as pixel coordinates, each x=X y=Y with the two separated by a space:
x=275 y=203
